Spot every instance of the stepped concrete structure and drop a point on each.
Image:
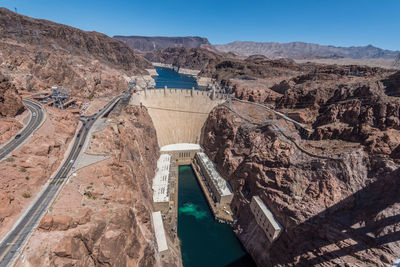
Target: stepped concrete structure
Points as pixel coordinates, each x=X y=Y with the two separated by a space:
x=178 y=114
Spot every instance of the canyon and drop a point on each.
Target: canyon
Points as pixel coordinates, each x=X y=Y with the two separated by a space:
x=35 y=55
x=341 y=178
x=318 y=143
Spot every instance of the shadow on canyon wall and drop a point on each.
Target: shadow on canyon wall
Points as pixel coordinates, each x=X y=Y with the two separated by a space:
x=372 y=213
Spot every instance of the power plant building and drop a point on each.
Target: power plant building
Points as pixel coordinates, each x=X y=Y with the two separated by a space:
x=161 y=238
x=161 y=178
x=219 y=188
x=265 y=219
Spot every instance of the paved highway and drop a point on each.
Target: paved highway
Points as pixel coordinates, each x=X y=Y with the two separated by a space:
x=37 y=116
x=16 y=238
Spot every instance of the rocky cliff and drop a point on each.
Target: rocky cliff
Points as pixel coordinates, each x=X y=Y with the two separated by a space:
x=336 y=201
x=10 y=102
x=333 y=190
x=37 y=54
x=184 y=57
x=392 y=84
x=103 y=217
x=146 y=43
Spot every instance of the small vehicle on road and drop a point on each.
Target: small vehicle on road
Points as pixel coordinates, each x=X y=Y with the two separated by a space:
x=17 y=136
x=33 y=114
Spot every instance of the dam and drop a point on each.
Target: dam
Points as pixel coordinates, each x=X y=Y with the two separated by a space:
x=178 y=116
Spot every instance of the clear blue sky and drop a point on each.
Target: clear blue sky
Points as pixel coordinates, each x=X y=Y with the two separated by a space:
x=339 y=22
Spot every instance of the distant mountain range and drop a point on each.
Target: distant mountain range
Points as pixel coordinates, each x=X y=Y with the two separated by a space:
x=300 y=50
x=147 y=44
x=293 y=50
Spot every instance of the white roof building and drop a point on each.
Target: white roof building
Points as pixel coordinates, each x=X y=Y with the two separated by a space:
x=159 y=231
x=161 y=178
x=223 y=187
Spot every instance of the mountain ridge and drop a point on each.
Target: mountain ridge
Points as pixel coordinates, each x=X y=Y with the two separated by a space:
x=303 y=50
x=153 y=43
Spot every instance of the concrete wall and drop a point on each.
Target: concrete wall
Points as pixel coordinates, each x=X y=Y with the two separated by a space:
x=220 y=200
x=178 y=116
x=265 y=220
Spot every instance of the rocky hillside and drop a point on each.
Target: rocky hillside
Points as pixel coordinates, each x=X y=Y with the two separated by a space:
x=332 y=190
x=10 y=102
x=392 y=84
x=184 y=57
x=145 y=43
x=300 y=50
x=36 y=54
x=223 y=66
x=103 y=217
x=334 y=210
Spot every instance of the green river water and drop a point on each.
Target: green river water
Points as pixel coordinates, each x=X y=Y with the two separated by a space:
x=204 y=241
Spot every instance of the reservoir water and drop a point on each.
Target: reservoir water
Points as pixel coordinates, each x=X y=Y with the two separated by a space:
x=204 y=241
x=173 y=79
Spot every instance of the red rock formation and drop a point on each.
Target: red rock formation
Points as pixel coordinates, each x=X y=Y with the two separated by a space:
x=24 y=173
x=38 y=54
x=337 y=209
x=103 y=216
x=10 y=102
x=392 y=84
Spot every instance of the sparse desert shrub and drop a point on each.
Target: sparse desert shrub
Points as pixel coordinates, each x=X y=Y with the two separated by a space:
x=10 y=159
x=14 y=165
x=26 y=195
x=22 y=169
x=27 y=178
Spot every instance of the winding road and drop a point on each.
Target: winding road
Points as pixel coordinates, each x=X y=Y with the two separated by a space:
x=17 y=237
x=37 y=116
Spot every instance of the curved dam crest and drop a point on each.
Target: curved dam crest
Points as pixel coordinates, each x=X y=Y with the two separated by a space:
x=178 y=114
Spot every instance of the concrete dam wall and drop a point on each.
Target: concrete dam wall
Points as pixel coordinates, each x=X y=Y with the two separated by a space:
x=178 y=114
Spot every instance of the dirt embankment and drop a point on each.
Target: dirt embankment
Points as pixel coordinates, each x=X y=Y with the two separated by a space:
x=103 y=216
